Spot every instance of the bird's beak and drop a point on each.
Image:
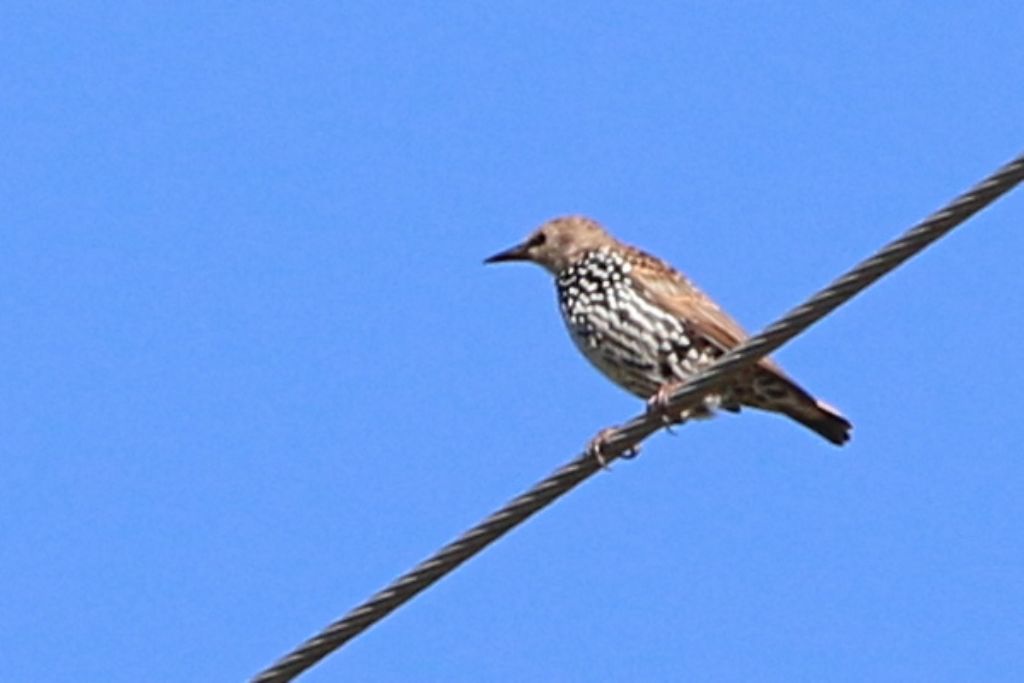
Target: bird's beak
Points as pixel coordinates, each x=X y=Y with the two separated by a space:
x=516 y=253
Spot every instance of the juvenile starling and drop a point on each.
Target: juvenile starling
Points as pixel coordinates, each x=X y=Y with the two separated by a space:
x=648 y=328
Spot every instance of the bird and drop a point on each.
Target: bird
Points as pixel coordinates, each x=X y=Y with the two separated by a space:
x=648 y=328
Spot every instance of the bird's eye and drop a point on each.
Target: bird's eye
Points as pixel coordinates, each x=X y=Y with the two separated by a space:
x=537 y=240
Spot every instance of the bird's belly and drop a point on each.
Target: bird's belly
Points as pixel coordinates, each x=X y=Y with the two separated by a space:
x=635 y=376
x=634 y=344
x=628 y=359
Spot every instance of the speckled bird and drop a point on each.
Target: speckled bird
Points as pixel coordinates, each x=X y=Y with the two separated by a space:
x=647 y=328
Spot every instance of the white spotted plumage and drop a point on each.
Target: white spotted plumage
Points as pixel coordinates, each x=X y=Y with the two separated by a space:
x=619 y=331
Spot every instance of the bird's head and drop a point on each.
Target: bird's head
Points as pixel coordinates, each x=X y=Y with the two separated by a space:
x=557 y=244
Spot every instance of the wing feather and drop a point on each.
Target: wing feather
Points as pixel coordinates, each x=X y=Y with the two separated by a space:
x=667 y=288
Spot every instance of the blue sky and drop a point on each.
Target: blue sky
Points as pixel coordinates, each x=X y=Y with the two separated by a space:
x=254 y=368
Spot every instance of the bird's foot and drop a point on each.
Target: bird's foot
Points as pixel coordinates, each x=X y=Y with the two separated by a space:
x=657 y=405
x=597 y=446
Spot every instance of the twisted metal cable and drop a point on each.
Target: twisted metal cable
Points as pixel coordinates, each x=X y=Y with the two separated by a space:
x=629 y=435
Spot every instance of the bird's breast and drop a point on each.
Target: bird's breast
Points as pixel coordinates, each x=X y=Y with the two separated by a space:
x=637 y=344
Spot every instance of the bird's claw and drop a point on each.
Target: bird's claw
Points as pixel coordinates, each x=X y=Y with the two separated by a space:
x=597 y=445
x=657 y=405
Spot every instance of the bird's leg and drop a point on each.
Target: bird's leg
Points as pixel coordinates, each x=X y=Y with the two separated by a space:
x=657 y=405
x=597 y=445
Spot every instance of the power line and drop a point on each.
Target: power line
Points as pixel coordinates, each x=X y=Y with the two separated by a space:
x=621 y=439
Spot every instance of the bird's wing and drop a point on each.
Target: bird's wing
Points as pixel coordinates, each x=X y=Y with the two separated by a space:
x=670 y=290
x=667 y=288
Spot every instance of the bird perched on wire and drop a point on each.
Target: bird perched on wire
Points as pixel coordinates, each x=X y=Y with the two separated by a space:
x=648 y=328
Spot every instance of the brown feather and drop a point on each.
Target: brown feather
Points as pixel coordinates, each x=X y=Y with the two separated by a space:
x=664 y=286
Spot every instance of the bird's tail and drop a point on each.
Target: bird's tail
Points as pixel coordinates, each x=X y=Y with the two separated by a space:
x=780 y=394
x=824 y=419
